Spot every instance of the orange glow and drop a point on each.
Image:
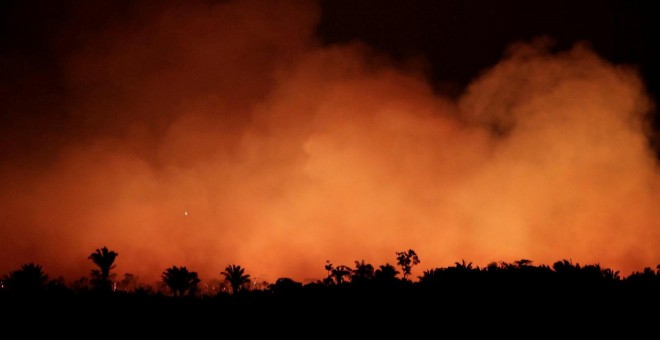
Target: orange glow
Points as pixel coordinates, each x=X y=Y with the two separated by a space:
x=282 y=153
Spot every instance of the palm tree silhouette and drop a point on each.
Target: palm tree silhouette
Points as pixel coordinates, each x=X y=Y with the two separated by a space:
x=236 y=277
x=611 y=275
x=463 y=266
x=105 y=260
x=386 y=273
x=28 y=279
x=363 y=272
x=431 y=276
x=180 y=280
x=336 y=275
x=340 y=272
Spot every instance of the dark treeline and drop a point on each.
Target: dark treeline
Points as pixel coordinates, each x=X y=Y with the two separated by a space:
x=499 y=292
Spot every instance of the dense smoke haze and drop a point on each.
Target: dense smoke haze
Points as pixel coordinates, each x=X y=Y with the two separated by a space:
x=208 y=134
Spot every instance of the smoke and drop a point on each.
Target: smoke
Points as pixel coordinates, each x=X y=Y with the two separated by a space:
x=209 y=134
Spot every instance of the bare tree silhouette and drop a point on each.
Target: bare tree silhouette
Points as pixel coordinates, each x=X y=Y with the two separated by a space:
x=180 y=280
x=104 y=259
x=236 y=277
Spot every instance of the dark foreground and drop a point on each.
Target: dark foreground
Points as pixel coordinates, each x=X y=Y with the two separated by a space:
x=524 y=306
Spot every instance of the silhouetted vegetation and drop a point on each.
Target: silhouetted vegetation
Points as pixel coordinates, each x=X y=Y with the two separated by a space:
x=105 y=260
x=386 y=273
x=520 y=287
x=29 y=278
x=337 y=275
x=285 y=285
x=180 y=280
x=236 y=277
x=406 y=260
x=362 y=273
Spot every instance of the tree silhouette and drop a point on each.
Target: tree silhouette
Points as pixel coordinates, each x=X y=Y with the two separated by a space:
x=386 y=273
x=492 y=267
x=340 y=273
x=236 y=277
x=363 y=272
x=463 y=266
x=406 y=260
x=431 y=276
x=128 y=283
x=565 y=267
x=105 y=260
x=611 y=275
x=285 y=285
x=180 y=280
x=328 y=267
x=523 y=263
x=29 y=278
x=336 y=275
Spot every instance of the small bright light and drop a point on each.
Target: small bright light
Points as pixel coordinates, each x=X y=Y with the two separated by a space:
x=185 y=213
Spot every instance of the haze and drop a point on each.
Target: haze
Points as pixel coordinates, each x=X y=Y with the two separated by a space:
x=204 y=135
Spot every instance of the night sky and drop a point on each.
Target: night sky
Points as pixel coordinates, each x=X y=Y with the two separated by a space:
x=459 y=39
x=277 y=134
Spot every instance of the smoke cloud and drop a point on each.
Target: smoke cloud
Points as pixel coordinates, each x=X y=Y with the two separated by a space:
x=209 y=134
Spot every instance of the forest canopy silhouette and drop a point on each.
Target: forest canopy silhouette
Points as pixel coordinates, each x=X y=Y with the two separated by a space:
x=490 y=295
x=179 y=281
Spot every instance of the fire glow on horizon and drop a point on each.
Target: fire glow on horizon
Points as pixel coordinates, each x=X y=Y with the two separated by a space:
x=283 y=153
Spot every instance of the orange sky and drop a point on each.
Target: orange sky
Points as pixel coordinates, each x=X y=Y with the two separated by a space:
x=286 y=153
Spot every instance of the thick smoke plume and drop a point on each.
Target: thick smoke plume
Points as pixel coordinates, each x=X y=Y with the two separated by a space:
x=204 y=135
